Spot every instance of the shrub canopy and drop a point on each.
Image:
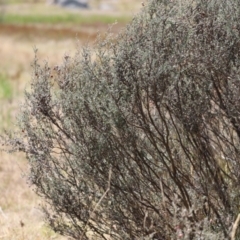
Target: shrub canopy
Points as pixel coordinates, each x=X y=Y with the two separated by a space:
x=139 y=137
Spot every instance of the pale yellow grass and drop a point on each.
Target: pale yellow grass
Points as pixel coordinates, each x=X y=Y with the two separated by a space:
x=17 y=55
x=20 y=217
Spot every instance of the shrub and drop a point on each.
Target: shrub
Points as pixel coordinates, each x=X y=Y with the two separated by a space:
x=142 y=140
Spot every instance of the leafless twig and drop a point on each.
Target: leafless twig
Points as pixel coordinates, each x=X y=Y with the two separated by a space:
x=100 y=200
x=235 y=226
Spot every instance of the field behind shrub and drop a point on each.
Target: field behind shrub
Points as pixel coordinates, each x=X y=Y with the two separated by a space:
x=55 y=32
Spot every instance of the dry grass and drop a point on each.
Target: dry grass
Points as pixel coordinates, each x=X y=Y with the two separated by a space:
x=18 y=54
x=20 y=218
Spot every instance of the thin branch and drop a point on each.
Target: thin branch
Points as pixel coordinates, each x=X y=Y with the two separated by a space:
x=235 y=227
x=100 y=200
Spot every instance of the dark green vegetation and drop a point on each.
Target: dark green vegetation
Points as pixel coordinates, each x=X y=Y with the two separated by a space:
x=143 y=140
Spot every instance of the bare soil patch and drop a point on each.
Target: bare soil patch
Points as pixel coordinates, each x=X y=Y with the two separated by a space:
x=40 y=31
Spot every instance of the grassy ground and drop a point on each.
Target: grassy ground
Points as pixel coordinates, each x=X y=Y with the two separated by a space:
x=54 y=36
x=20 y=217
x=63 y=19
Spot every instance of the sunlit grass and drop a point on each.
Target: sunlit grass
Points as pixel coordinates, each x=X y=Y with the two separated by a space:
x=63 y=18
x=20 y=216
x=6 y=90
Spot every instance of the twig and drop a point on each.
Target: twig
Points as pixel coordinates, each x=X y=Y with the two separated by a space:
x=3 y=214
x=235 y=226
x=100 y=200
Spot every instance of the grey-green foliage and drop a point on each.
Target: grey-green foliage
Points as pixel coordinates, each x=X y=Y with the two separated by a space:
x=139 y=138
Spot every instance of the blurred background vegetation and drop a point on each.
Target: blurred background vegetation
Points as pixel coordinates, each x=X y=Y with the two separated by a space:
x=55 y=31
